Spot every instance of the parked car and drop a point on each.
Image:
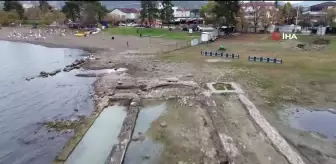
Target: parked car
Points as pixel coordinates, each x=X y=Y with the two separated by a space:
x=122 y=24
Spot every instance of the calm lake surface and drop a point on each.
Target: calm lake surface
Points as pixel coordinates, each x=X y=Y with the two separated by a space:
x=25 y=104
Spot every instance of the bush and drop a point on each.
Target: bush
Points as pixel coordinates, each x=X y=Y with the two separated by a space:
x=321 y=41
x=8 y=18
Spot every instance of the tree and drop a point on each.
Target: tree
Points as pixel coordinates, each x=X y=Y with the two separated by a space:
x=287 y=13
x=14 y=6
x=265 y=18
x=207 y=12
x=91 y=11
x=113 y=18
x=226 y=12
x=72 y=10
x=44 y=6
x=53 y=16
x=33 y=13
x=148 y=11
x=167 y=13
x=9 y=17
x=100 y=9
x=256 y=13
x=330 y=16
x=242 y=22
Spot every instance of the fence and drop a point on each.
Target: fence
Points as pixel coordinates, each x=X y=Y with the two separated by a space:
x=220 y=54
x=265 y=59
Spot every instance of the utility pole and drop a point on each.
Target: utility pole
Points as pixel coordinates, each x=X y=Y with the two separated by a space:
x=296 y=20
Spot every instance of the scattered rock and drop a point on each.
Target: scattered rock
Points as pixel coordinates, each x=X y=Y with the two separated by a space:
x=145 y=157
x=68 y=69
x=135 y=138
x=43 y=74
x=300 y=45
x=174 y=79
x=189 y=75
x=163 y=124
x=76 y=110
x=133 y=103
x=30 y=78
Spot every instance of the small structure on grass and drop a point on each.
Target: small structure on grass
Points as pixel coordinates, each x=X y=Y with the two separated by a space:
x=224 y=87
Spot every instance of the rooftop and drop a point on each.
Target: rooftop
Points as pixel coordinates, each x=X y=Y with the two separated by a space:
x=325 y=4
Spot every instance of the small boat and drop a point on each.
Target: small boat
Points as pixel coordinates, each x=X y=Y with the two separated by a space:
x=80 y=35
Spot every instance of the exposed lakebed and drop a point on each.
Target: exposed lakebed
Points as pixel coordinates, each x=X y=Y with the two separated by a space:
x=25 y=104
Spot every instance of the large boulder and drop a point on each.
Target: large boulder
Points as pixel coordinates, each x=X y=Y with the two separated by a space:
x=68 y=69
x=43 y=74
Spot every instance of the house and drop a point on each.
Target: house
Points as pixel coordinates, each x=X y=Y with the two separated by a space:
x=127 y=14
x=252 y=13
x=184 y=15
x=317 y=13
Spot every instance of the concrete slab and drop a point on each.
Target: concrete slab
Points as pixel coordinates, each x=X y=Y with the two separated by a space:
x=236 y=88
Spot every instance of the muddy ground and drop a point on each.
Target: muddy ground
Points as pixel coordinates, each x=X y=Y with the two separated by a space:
x=190 y=136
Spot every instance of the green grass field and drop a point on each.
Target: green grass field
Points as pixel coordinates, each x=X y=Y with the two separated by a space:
x=154 y=32
x=305 y=77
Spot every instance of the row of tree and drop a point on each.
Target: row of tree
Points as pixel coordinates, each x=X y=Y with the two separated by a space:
x=231 y=13
x=88 y=12
x=150 y=11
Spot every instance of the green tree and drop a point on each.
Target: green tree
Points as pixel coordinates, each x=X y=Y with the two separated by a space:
x=167 y=13
x=207 y=10
x=226 y=12
x=44 y=6
x=100 y=10
x=287 y=12
x=6 y=18
x=72 y=10
x=330 y=16
x=148 y=11
x=14 y=6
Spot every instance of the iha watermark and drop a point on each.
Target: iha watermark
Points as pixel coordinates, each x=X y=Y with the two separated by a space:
x=283 y=36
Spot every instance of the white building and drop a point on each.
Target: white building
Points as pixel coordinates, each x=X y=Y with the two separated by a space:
x=317 y=12
x=126 y=13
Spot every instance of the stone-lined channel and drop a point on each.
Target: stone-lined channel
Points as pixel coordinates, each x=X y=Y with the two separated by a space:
x=97 y=143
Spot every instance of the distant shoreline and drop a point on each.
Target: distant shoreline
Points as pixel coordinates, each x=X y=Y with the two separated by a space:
x=52 y=45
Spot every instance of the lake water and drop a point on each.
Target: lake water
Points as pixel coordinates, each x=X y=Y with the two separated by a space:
x=24 y=104
x=146 y=151
x=321 y=122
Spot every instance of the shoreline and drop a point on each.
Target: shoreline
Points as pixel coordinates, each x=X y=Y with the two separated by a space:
x=54 y=45
x=88 y=121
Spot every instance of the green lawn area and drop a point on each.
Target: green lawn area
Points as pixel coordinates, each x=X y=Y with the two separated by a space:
x=154 y=32
x=304 y=78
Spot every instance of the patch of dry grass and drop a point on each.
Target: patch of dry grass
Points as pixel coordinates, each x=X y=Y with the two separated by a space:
x=305 y=77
